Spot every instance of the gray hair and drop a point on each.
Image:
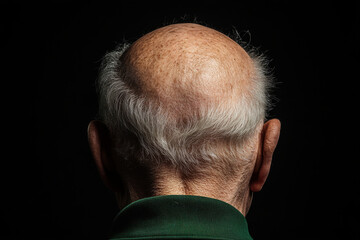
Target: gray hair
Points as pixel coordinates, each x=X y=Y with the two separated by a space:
x=143 y=130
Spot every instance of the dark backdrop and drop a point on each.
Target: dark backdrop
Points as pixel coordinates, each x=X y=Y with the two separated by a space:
x=52 y=53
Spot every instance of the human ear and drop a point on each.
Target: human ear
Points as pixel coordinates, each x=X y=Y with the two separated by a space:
x=100 y=146
x=269 y=138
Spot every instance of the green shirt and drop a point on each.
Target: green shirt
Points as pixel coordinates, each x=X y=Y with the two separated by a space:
x=180 y=217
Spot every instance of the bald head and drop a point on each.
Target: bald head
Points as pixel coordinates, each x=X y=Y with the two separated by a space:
x=181 y=92
x=187 y=66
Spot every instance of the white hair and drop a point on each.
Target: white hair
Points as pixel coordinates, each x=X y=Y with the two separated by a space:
x=144 y=131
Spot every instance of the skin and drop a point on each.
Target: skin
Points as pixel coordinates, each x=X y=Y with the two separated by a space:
x=184 y=67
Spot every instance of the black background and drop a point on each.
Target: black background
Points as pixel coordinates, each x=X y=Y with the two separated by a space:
x=51 y=54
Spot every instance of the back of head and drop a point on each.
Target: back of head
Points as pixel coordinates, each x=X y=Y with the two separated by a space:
x=183 y=95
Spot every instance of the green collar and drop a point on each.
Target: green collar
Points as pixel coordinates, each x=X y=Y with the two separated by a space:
x=179 y=217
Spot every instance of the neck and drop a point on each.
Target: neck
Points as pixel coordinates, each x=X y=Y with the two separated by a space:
x=169 y=181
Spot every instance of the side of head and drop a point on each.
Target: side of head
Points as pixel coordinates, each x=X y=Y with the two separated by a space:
x=183 y=112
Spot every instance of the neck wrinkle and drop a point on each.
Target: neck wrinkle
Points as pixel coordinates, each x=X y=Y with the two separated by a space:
x=167 y=180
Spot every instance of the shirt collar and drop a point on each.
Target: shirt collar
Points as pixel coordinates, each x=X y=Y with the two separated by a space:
x=180 y=216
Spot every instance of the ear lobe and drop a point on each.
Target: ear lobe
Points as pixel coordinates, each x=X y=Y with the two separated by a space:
x=269 y=139
x=99 y=142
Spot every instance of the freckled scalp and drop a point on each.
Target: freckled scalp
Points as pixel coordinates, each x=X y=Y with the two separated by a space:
x=183 y=94
x=187 y=65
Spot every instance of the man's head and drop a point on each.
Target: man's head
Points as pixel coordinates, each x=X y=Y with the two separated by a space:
x=183 y=112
